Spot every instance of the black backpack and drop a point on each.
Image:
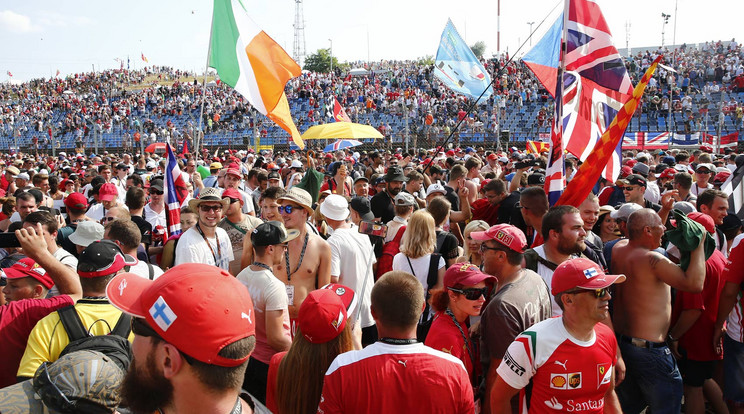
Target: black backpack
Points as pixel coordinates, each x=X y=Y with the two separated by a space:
x=114 y=345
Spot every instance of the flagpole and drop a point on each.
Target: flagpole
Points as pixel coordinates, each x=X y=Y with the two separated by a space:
x=199 y=138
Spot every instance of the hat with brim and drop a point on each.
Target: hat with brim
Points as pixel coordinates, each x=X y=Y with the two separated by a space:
x=298 y=196
x=583 y=274
x=210 y=195
x=86 y=233
x=394 y=174
x=335 y=207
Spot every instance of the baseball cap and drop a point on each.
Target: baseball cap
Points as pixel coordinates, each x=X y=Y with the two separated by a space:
x=322 y=316
x=435 y=188
x=102 y=258
x=641 y=168
x=108 y=192
x=684 y=206
x=22 y=176
x=362 y=206
x=704 y=219
x=492 y=156
x=721 y=177
x=86 y=233
x=581 y=273
x=506 y=234
x=274 y=175
x=157 y=184
x=625 y=210
x=84 y=376
x=404 y=199
x=681 y=168
x=708 y=167
x=335 y=207
x=346 y=294
x=233 y=171
x=27 y=267
x=536 y=178
x=215 y=166
x=272 y=233
x=76 y=201
x=668 y=173
x=635 y=179
x=232 y=193
x=197 y=308
x=361 y=178
x=466 y=274
x=296 y=164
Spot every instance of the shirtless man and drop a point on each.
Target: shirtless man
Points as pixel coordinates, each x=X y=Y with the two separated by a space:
x=377 y=166
x=309 y=256
x=642 y=312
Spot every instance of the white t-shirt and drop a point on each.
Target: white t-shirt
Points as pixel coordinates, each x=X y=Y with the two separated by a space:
x=191 y=248
x=67 y=259
x=547 y=275
x=420 y=266
x=268 y=294
x=141 y=269
x=352 y=257
x=154 y=218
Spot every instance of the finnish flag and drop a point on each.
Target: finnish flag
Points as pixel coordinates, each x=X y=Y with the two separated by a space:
x=162 y=314
x=590 y=273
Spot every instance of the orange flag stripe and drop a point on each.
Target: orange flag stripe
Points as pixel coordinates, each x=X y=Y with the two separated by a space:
x=586 y=176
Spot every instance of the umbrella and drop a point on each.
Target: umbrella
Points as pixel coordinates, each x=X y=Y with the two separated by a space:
x=158 y=146
x=342 y=144
x=341 y=130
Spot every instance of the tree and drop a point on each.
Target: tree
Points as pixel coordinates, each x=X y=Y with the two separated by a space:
x=478 y=49
x=427 y=60
x=320 y=61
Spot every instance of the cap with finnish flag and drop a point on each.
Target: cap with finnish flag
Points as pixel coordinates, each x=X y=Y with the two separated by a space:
x=583 y=274
x=198 y=308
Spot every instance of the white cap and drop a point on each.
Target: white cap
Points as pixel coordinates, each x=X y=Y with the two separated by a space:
x=435 y=188
x=23 y=176
x=296 y=164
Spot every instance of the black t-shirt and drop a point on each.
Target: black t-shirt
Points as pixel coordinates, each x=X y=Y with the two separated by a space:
x=447 y=245
x=452 y=197
x=509 y=214
x=145 y=229
x=382 y=206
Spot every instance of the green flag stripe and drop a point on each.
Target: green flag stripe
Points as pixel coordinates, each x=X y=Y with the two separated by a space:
x=225 y=34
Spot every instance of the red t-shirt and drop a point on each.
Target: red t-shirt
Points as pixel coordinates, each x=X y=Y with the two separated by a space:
x=17 y=319
x=483 y=210
x=271 y=381
x=698 y=340
x=383 y=378
x=734 y=273
x=444 y=336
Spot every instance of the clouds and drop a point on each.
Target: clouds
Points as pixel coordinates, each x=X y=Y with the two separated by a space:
x=17 y=23
x=13 y=22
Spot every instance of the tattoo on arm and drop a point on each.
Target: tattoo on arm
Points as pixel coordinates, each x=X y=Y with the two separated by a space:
x=653 y=260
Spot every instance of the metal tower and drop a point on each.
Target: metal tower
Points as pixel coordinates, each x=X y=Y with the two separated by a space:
x=298 y=49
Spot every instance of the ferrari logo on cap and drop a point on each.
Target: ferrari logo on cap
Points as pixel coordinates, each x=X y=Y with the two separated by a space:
x=504 y=238
x=336 y=323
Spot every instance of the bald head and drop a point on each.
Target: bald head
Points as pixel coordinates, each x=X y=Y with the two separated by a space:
x=641 y=219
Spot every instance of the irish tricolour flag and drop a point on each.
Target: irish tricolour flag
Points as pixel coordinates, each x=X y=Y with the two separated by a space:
x=250 y=61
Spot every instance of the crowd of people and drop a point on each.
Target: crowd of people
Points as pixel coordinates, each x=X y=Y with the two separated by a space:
x=317 y=282
x=156 y=104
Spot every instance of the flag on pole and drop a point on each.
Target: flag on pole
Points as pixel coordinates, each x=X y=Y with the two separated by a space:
x=555 y=173
x=458 y=68
x=339 y=115
x=144 y=59
x=734 y=187
x=596 y=81
x=252 y=63
x=57 y=74
x=175 y=193
x=586 y=176
x=10 y=74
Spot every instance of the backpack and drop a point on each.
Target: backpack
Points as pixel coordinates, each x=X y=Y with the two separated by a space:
x=114 y=345
x=389 y=250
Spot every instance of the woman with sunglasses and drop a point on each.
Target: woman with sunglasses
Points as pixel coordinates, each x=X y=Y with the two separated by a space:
x=464 y=294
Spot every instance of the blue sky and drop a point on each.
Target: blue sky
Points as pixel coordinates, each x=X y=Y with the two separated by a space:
x=42 y=36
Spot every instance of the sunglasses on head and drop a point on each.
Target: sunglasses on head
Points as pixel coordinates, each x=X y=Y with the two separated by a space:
x=206 y=208
x=471 y=293
x=598 y=293
x=107 y=219
x=288 y=209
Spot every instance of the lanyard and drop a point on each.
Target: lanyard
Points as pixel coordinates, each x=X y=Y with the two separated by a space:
x=464 y=337
x=302 y=256
x=219 y=249
x=398 y=341
x=262 y=265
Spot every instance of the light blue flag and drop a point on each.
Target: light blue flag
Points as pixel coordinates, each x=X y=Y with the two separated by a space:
x=458 y=68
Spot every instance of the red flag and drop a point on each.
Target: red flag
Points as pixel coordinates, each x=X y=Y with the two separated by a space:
x=144 y=59
x=590 y=170
x=338 y=112
x=537 y=147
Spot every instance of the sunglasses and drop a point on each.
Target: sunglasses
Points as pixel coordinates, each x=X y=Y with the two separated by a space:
x=598 y=293
x=233 y=200
x=107 y=219
x=629 y=188
x=472 y=293
x=141 y=328
x=483 y=248
x=287 y=209
x=156 y=192
x=206 y=208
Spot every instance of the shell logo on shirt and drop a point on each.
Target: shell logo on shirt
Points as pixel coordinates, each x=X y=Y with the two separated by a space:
x=565 y=381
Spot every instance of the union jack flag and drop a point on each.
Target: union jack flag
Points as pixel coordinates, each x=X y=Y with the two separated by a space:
x=596 y=81
x=175 y=193
x=657 y=141
x=633 y=140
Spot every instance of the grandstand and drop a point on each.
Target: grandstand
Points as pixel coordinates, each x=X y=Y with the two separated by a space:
x=103 y=111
